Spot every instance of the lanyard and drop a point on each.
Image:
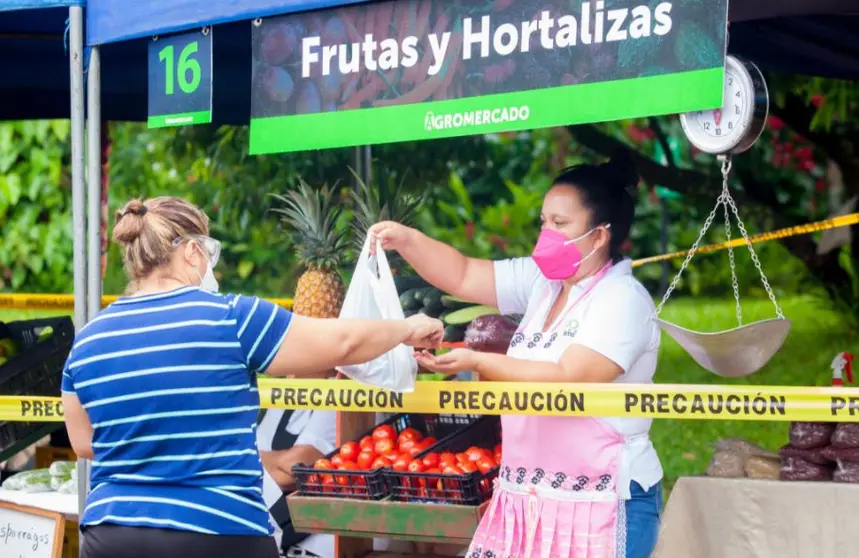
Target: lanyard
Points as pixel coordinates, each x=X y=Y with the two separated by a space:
x=596 y=279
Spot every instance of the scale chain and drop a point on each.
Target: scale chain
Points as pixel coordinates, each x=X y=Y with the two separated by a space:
x=728 y=201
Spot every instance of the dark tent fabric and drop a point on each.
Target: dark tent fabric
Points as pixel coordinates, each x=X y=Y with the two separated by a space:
x=816 y=37
x=35 y=66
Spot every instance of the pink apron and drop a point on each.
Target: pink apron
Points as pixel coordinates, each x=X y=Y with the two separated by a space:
x=556 y=494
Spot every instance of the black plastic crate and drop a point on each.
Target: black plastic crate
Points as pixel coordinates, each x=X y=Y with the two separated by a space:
x=37 y=369
x=470 y=489
x=371 y=485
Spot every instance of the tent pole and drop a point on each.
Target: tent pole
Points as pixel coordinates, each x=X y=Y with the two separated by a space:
x=78 y=197
x=94 y=184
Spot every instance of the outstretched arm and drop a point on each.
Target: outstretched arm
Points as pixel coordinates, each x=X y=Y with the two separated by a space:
x=441 y=265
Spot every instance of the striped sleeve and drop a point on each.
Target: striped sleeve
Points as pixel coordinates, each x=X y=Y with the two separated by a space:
x=67 y=385
x=262 y=327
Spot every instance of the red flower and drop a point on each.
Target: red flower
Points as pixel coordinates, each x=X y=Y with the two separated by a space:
x=775 y=123
x=817 y=99
x=820 y=186
x=808 y=165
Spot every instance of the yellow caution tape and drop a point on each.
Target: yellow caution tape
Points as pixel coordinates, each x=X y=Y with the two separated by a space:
x=763 y=403
x=66 y=302
x=834 y=223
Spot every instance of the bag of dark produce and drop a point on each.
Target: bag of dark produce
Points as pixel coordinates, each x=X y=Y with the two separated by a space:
x=812 y=455
x=846 y=472
x=850 y=455
x=796 y=469
x=490 y=334
x=808 y=435
x=846 y=435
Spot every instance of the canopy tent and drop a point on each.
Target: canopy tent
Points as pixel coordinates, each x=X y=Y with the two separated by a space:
x=815 y=37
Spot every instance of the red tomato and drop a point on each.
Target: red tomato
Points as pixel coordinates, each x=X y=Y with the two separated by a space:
x=383 y=446
x=406 y=445
x=475 y=453
x=402 y=463
x=384 y=432
x=451 y=470
x=380 y=462
x=415 y=467
x=409 y=434
x=485 y=464
x=393 y=454
x=435 y=484
x=366 y=442
x=414 y=450
x=366 y=459
x=343 y=480
x=430 y=441
x=322 y=464
x=336 y=461
x=350 y=451
x=328 y=483
x=447 y=459
x=431 y=460
x=462 y=457
x=467 y=468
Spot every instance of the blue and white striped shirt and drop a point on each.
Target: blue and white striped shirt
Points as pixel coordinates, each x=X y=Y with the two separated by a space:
x=169 y=384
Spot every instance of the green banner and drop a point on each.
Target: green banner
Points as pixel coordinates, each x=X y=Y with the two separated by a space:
x=422 y=69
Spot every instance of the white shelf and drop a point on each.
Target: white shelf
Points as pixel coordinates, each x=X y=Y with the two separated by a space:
x=66 y=504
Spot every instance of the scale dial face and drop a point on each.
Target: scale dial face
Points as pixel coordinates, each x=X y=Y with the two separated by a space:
x=737 y=125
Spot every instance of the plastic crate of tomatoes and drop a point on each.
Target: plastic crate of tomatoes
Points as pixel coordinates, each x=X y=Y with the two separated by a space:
x=356 y=469
x=460 y=469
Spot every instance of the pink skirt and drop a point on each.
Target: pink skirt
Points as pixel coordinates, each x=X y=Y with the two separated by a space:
x=521 y=525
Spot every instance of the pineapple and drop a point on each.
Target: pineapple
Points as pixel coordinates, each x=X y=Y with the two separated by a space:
x=319 y=247
x=385 y=203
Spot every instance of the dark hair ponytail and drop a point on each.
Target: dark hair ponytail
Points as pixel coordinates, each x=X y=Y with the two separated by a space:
x=608 y=191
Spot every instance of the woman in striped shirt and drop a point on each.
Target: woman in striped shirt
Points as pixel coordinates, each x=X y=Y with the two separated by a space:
x=160 y=391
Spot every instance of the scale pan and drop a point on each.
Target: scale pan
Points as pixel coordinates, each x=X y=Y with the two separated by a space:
x=734 y=353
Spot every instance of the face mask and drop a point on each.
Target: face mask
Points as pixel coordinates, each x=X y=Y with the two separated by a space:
x=208 y=281
x=557 y=256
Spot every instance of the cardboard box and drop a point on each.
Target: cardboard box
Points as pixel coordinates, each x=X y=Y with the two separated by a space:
x=46 y=455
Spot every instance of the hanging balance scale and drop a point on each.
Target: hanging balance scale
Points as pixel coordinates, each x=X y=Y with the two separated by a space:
x=725 y=132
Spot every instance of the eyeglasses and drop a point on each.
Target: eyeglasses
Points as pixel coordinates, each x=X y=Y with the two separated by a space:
x=210 y=246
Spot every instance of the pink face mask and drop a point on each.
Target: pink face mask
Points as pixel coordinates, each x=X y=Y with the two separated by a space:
x=557 y=256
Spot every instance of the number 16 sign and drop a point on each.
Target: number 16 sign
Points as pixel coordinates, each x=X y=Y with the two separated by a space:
x=180 y=79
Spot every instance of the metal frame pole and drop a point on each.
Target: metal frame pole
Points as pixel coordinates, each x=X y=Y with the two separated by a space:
x=78 y=197
x=94 y=184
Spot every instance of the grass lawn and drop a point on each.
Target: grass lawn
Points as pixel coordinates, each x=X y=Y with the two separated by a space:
x=817 y=335
x=685 y=446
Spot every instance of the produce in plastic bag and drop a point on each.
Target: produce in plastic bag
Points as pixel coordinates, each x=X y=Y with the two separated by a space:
x=490 y=334
x=808 y=435
x=69 y=487
x=850 y=455
x=814 y=455
x=743 y=448
x=36 y=480
x=796 y=469
x=62 y=469
x=762 y=468
x=726 y=464
x=846 y=435
x=846 y=472
x=373 y=295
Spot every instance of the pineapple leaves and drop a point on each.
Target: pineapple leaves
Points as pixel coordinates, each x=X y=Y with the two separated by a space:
x=314 y=218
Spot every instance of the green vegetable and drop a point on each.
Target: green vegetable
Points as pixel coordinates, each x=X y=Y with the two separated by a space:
x=61 y=468
x=454 y=303
x=408 y=301
x=36 y=480
x=466 y=315
x=454 y=333
x=408 y=282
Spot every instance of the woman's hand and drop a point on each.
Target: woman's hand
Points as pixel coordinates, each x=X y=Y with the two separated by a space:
x=457 y=360
x=392 y=235
x=424 y=332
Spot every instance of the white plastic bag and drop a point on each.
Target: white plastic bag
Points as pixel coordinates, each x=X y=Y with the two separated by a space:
x=372 y=294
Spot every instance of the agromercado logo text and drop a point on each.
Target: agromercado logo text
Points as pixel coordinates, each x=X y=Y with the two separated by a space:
x=481 y=117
